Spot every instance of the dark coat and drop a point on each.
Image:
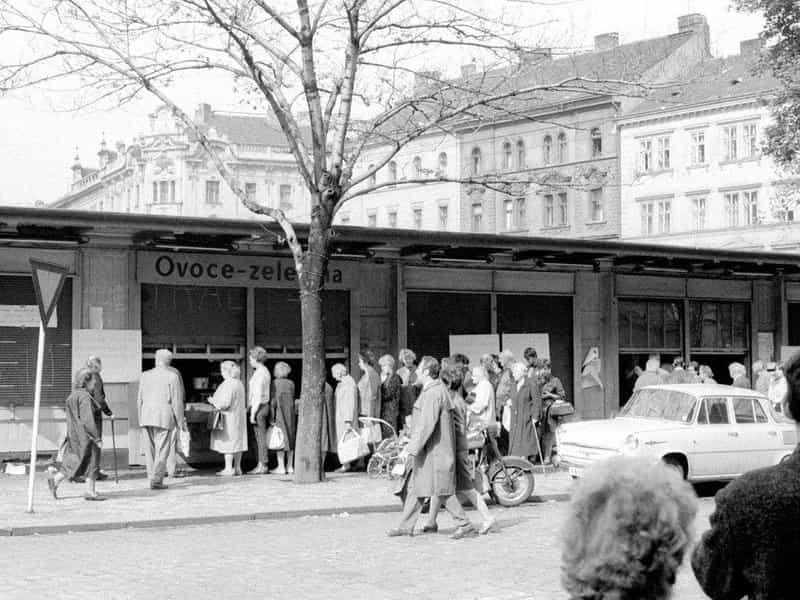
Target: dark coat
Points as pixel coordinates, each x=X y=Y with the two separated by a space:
x=753 y=546
x=284 y=414
x=433 y=442
x=526 y=407
x=329 y=441
x=390 y=402
x=82 y=451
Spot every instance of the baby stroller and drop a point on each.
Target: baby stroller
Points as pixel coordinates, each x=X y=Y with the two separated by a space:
x=386 y=458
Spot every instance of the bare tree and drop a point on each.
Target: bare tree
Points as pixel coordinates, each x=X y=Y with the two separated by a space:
x=331 y=60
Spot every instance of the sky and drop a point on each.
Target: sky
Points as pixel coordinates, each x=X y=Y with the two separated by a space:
x=38 y=142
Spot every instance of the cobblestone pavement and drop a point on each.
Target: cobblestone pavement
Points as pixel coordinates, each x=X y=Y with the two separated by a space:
x=331 y=557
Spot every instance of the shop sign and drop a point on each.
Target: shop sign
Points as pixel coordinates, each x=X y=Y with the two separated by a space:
x=241 y=271
x=24 y=315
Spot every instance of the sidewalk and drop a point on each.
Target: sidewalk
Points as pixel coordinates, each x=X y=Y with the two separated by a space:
x=205 y=498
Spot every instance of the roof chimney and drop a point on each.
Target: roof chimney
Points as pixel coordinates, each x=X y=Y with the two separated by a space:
x=203 y=113
x=751 y=48
x=606 y=41
x=697 y=23
x=468 y=70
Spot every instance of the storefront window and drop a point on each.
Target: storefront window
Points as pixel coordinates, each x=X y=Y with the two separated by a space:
x=718 y=326
x=434 y=316
x=653 y=325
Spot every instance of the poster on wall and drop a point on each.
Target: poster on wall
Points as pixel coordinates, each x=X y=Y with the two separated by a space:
x=517 y=342
x=766 y=348
x=120 y=350
x=475 y=346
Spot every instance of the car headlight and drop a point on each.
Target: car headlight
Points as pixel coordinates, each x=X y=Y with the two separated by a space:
x=631 y=443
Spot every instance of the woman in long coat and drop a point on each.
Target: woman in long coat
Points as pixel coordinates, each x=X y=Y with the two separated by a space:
x=369 y=386
x=82 y=449
x=229 y=399
x=391 y=386
x=328 y=423
x=346 y=399
x=410 y=390
x=552 y=390
x=526 y=408
x=284 y=415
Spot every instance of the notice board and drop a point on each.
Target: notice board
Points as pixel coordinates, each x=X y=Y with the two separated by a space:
x=474 y=346
x=517 y=342
x=119 y=349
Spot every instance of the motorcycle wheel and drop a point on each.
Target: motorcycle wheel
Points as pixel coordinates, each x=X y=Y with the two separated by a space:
x=515 y=489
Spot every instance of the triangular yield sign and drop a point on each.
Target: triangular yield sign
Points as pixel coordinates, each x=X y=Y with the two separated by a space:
x=48 y=279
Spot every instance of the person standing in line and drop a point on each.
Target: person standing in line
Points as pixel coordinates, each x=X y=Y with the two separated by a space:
x=761 y=378
x=738 y=374
x=552 y=389
x=346 y=401
x=160 y=409
x=460 y=361
x=526 y=411
x=284 y=415
x=694 y=372
x=753 y=546
x=81 y=458
x=777 y=386
x=466 y=487
x=489 y=365
x=531 y=358
x=481 y=399
x=369 y=388
x=410 y=389
x=679 y=374
x=706 y=374
x=259 y=405
x=328 y=444
x=172 y=460
x=650 y=376
x=229 y=398
x=502 y=394
x=391 y=389
x=432 y=450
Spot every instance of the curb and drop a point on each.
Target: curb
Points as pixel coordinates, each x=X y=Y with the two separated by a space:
x=281 y=515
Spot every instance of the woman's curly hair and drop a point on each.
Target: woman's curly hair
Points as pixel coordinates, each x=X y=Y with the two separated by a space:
x=630 y=523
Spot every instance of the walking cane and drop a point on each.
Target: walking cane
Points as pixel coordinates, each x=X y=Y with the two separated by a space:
x=114 y=446
x=539 y=447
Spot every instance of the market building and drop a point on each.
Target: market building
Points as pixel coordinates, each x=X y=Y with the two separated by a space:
x=209 y=290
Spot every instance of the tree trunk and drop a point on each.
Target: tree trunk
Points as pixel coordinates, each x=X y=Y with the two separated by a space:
x=309 y=467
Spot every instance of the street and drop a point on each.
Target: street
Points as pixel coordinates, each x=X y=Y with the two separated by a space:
x=327 y=558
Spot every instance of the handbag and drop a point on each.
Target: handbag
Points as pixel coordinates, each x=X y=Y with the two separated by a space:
x=505 y=419
x=217 y=421
x=372 y=433
x=276 y=439
x=351 y=446
x=561 y=408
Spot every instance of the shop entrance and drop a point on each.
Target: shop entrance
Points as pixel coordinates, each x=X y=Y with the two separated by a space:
x=434 y=316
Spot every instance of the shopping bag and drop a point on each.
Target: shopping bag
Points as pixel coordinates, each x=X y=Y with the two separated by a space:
x=561 y=408
x=216 y=421
x=352 y=446
x=372 y=433
x=184 y=442
x=276 y=439
x=506 y=417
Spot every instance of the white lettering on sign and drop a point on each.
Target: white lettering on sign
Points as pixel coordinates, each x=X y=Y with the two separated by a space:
x=23 y=315
x=223 y=270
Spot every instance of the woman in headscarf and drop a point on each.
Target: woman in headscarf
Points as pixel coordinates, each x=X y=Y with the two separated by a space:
x=229 y=399
x=346 y=400
x=284 y=415
x=82 y=450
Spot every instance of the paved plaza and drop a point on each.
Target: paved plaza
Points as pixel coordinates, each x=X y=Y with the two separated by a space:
x=331 y=557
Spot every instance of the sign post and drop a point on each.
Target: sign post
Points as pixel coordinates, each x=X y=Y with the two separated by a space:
x=48 y=280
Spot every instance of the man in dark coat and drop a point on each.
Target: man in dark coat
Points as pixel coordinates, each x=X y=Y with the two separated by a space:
x=753 y=546
x=432 y=449
x=100 y=406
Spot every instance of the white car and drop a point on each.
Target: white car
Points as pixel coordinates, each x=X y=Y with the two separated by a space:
x=709 y=432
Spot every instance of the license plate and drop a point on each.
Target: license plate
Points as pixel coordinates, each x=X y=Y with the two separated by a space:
x=575 y=472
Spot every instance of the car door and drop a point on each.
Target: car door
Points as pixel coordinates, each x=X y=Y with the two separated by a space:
x=715 y=445
x=758 y=438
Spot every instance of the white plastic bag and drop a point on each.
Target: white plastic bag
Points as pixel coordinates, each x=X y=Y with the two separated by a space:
x=352 y=446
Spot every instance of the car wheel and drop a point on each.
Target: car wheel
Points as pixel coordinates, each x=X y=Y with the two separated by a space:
x=673 y=462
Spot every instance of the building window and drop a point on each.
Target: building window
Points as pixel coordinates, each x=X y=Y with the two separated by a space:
x=750 y=200
x=476 y=161
x=391 y=218
x=417 y=165
x=372 y=220
x=392 y=172
x=521 y=159
x=563 y=209
x=477 y=217
x=507 y=164
x=596 y=205
x=652 y=325
x=164 y=192
x=699 y=213
x=250 y=191
x=521 y=212
x=718 y=326
x=508 y=214
x=443 y=217
x=749 y=140
x=562 y=147
x=729 y=145
x=648 y=217
x=664 y=215
x=597 y=142
x=549 y=211
x=285 y=195
x=698 y=147
x=372 y=175
x=547 y=150
x=417 y=214
x=645 y=155
x=212 y=192
x=442 y=164
x=732 y=209
x=662 y=156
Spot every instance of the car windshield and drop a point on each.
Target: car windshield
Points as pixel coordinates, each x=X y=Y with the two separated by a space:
x=660 y=404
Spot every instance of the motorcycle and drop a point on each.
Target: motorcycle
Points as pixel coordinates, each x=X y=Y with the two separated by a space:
x=508 y=480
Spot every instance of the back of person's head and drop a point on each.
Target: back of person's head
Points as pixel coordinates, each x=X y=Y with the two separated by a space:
x=736 y=369
x=460 y=360
x=163 y=357
x=653 y=364
x=694 y=365
x=367 y=356
x=94 y=362
x=429 y=364
x=82 y=378
x=281 y=370
x=629 y=524
x=236 y=371
x=758 y=366
x=338 y=371
x=506 y=357
x=529 y=354
x=452 y=378
x=677 y=363
x=258 y=354
x=225 y=367
x=791 y=370
x=519 y=370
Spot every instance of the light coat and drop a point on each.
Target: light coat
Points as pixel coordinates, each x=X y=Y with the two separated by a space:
x=229 y=399
x=369 y=393
x=160 y=402
x=346 y=398
x=433 y=442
